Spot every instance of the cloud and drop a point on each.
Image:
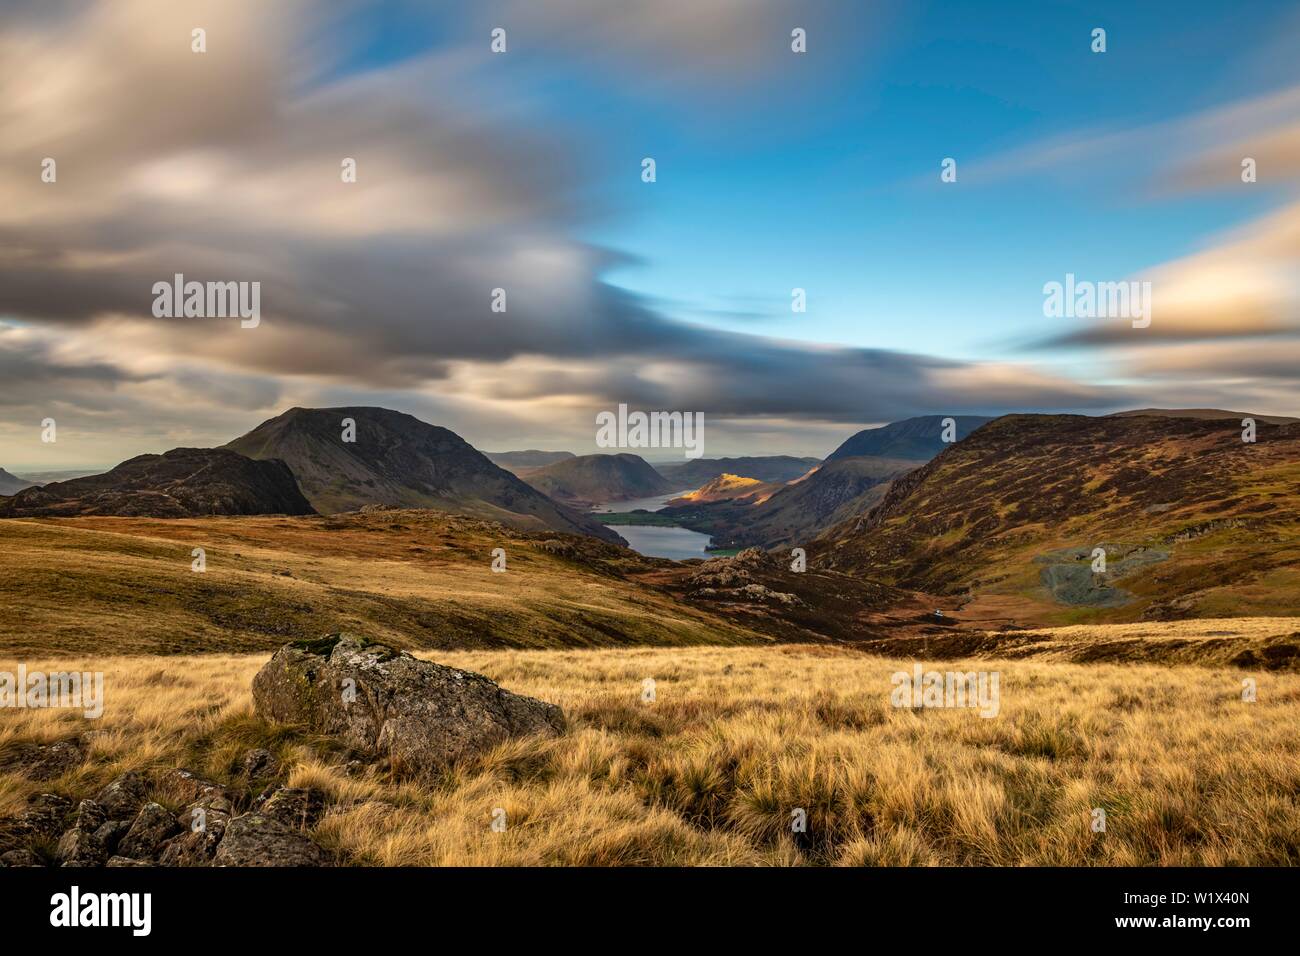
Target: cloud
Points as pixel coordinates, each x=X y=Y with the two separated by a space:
x=225 y=166
x=1245 y=282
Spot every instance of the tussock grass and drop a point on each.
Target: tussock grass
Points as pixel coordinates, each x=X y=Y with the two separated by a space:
x=736 y=740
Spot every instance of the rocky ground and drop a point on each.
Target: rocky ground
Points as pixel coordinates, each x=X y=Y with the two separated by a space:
x=381 y=704
x=124 y=824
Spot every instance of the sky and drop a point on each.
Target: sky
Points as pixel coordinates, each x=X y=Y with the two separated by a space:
x=775 y=170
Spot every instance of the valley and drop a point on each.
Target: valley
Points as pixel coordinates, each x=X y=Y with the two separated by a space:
x=771 y=669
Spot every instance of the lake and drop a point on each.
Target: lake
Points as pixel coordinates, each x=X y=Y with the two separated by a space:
x=675 y=543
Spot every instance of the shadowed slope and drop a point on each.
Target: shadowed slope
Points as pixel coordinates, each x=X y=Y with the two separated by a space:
x=400 y=461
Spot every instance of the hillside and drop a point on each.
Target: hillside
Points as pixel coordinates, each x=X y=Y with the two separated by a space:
x=728 y=488
x=917 y=439
x=184 y=482
x=531 y=458
x=1206 y=414
x=413 y=579
x=400 y=461
x=591 y=479
x=1194 y=522
x=693 y=474
x=11 y=484
x=796 y=513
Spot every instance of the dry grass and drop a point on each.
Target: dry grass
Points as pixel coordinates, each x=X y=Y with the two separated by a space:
x=710 y=772
x=409 y=578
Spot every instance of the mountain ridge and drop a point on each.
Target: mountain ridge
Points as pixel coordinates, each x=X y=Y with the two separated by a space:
x=587 y=480
x=11 y=484
x=181 y=483
x=919 y=438
x=400 y=461
x=1189 y=516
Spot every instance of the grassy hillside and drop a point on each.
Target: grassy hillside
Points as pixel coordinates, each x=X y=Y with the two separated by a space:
x=1194 y=522
x=916 y=439
x=593 y=479
x=737 y=739
x=794 y=514
x=394 y=459
x=410 y=578
x=699 y=471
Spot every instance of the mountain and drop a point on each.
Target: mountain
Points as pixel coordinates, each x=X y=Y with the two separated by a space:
x=917 y=439
x=693 y=474
x=398 y=460
x=592 y=479
x=182 y=483
x=1192 y=520
x=728 y=488
x=63 y=474
x=1207 y=414
x=12 y=484
x=532 y=458
x=794 y=514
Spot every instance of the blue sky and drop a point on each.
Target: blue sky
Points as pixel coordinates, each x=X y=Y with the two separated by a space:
x=823 y=173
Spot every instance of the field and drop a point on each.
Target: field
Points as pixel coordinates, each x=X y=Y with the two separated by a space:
x=737 y=740
x=406 y=578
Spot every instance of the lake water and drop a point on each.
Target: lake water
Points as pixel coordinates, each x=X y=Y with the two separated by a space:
x=675 y=543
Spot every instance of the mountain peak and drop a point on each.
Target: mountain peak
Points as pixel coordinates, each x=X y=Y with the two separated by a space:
x=388 y=457
x=916 y=439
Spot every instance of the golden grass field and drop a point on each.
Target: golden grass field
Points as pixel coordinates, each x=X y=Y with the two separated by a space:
x=408 y=578
x=736 y=739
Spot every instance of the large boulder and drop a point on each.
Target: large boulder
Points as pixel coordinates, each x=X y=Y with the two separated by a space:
x=257 y=840
x=419 y=714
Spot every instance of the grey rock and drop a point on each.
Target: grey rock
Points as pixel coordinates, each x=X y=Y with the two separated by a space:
x=42 y=819
x=123 y=798
x=150 y=830
x=419 y=714
x=45 y=761
x=255 y=839
x=79 y=847
x=259 y=764
x=188 y=787
x=299 y=807
x=90 y=816
x=109 y=834
x=195 y=847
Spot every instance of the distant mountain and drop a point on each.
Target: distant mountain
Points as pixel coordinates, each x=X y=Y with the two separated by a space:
x=592 y=479
x=1205 y=414
x=182 y=483
x=532 y=458
x=693 y=474
x=12 y=484
x=794 y=514
x=729 y=488
x=64 y=474
x=398 y=460
x=917 y=439
x=1192 y=520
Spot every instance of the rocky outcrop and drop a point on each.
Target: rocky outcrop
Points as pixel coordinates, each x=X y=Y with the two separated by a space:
x=122 y=827
x=255 y=839
x=44 y=761
x=182 y=483
x=418 y=714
